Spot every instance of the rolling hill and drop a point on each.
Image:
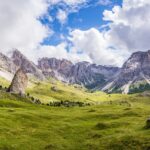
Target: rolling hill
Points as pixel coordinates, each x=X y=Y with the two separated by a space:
x=116 y=124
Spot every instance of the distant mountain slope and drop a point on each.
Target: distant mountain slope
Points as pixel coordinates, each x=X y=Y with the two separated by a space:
x=134 y=74
x=133 y=77
x=52 y=67
x=83 y=73
x=91 y=75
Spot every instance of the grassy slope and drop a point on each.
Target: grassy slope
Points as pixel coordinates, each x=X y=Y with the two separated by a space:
x=4 y=82
x=44 y=92
x=117 y=124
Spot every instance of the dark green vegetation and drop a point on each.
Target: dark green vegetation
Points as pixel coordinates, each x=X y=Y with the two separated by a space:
x=111 y=122
x=140 y=88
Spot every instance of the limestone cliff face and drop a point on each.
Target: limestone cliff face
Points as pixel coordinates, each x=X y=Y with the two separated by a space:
x=52 y=67
x=82 y=73
x=19 y=83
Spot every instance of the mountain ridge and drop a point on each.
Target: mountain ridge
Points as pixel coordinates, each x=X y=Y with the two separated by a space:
x=82 y=73
x=94 y=77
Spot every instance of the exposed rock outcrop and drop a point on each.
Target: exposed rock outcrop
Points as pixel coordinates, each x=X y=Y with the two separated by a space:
x=19 y=83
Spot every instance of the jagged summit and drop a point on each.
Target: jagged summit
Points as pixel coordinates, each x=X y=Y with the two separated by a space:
x=7 y=64
x=28 y=66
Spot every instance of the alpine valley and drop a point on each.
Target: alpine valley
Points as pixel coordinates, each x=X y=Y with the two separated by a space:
x=58 y=105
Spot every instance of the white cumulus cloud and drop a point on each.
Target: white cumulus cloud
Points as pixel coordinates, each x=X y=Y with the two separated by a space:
x=94 y=44
x=129 y=27
x=19 y=24
x=59 y=52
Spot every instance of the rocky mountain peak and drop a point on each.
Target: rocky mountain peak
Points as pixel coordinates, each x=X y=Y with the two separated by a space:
x=53 y=63
x=52 y=67
x=26 y=65
x=7 y=64
x=17 y=57
x=137 y=60
x=134 y=71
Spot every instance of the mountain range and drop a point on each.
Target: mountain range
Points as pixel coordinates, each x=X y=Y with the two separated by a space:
x=133 y=76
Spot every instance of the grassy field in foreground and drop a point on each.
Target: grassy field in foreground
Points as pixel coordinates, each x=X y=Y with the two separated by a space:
x=114 y=122
x=119 y=125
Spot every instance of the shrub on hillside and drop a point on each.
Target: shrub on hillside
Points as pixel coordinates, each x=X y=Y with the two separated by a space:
x=148 y=123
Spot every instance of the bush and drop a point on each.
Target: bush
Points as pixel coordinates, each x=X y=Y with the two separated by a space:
x=68 y=104
x=101 y=126
x=28 y=94
x=148 y=123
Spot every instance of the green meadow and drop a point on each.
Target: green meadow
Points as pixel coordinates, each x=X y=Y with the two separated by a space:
x=111 y=122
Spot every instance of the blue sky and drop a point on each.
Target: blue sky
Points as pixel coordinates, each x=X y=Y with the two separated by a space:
x=86 y=17
x=104 y=32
